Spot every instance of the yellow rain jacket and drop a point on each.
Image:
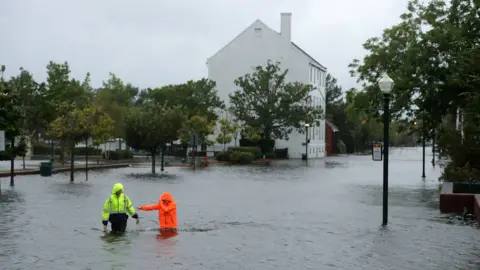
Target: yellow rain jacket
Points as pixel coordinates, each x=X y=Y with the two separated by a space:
x=117 y=204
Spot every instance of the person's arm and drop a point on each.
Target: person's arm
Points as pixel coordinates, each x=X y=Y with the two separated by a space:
x=168 y=208
x=106 y=213
x=131 y=209
x=149 y=207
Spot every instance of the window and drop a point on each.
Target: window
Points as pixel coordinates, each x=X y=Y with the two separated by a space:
x=311 y=74
x=258 y=32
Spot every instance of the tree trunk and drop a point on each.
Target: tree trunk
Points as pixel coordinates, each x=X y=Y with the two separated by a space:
x=72 y=163
x=153 y=162
x=86 y=160
x=23 y=159
x=119 y=144
x=225 y=147
x=62 y=152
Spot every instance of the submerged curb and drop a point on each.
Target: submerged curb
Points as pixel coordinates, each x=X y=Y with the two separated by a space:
x=65 y=169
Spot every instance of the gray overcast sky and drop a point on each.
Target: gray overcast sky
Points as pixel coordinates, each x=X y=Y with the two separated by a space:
x=151 y=43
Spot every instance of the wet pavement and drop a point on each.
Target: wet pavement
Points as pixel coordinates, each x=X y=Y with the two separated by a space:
x=287 y=216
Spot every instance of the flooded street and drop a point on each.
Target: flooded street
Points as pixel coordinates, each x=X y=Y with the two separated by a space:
x=287 y=216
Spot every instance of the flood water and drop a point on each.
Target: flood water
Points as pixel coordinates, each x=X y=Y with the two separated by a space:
x=326 y=215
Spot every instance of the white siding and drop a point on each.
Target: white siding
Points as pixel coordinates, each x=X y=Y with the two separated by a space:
x=255 y=46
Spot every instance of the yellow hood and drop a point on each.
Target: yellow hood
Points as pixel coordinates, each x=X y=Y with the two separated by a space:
x=117 y=187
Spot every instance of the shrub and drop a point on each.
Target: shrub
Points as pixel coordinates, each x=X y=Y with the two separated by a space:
x=253 y=150
x=222 y=156
x=82 y=151
x=118 y=154
x=197 y=154
x=239 y=157
x=44 y=149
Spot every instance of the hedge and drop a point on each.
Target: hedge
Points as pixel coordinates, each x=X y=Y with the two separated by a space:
x=45 y=149
x=248 y=149
x=117 y=154
x=239 y=155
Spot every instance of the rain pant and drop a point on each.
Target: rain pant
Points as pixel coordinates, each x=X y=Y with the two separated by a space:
x=167 y=212
x=117 y=209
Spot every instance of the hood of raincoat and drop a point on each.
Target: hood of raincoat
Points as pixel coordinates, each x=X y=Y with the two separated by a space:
x=167 y=197
x=117 y=187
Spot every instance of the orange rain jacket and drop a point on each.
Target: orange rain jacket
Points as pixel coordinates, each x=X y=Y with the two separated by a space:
x=167 y=212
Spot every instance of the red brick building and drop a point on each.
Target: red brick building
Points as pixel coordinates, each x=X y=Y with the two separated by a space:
x=330 y=137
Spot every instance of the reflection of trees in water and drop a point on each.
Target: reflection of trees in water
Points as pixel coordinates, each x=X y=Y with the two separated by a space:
x=78 y=189
x=12 y=209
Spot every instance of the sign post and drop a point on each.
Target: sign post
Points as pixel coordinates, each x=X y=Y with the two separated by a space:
x=377 y=152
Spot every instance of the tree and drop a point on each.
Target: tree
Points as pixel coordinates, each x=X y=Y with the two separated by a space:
x=116 y=97
x=225 y=134
x=10 y=117
x=197 y=125
x=79 y=125
x=151 y=126
x=265 y=101
x=432 y=56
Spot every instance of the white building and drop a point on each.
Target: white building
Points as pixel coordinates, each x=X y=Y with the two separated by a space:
x=255 y=46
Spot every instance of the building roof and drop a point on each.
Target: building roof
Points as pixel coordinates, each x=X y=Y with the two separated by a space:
x=334 y=128
x=259 y=21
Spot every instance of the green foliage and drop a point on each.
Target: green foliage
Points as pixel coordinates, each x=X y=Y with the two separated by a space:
x=432 y=55
x=152 y=126
x=80 y=124
x=222 y=156
x=195 y=98
x=225 y=134
x=272 y=106
x=118 y=154
x=254 y=150
x=238 y=157
x=197 y=125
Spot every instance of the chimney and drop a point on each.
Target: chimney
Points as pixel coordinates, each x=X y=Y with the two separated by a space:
x=286 y=26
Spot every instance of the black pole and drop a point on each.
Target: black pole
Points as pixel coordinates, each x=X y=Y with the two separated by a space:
x=86 y=160
x=162 y=159
x=433 y=148
x=12 y=163
x=386 y=124
x=306 y=143
x=423 y=154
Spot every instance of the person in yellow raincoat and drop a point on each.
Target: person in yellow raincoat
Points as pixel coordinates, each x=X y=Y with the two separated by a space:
x=116 y=210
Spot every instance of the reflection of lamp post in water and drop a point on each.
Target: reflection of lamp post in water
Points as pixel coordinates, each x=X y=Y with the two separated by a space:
x=306 y=142
x=386 y=85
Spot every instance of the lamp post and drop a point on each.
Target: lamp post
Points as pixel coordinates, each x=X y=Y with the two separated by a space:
x=386 y=85
x=306 y=142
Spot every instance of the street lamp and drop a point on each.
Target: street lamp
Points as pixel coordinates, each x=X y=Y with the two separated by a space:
x=306 y=142
x=386 y=85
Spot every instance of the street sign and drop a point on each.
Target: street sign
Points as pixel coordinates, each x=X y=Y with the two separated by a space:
x=2 y=140
x=377 y=154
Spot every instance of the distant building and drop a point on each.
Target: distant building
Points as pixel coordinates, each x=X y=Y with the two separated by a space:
x=331 y=137
x=255 y=46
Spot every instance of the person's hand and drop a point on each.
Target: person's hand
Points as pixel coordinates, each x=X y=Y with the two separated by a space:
x=105 y=228
x=139 y=207
x=138 y=221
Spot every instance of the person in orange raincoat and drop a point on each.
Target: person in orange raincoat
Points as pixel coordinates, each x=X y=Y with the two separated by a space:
x=167 y=212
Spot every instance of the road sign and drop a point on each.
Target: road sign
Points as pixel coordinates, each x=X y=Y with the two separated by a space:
x=2 y=140
x=377 y=154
